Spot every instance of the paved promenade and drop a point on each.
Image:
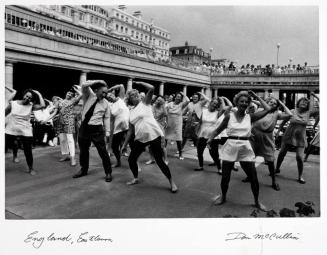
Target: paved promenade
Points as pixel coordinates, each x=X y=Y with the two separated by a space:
x=54 y=194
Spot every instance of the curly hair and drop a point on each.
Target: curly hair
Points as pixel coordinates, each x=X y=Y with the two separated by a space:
x=128 y=95
x=33 y=99
x=268 y=99
x=241 y=94
x=301 y=99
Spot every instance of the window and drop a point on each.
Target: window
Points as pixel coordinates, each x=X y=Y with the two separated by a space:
x=126 y=30
x=142 y=26
x=146 y=38
x=81 y=16
x=185 y=51
x=126 y=19
x=132 y=33
x=63 y=9
x=122 y=29
x=122 y=17
x=141 y=36
x=117 y=15
x=117 y=27
x=177 y=52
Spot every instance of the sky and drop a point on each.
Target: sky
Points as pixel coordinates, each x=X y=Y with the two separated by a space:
x=247 y=34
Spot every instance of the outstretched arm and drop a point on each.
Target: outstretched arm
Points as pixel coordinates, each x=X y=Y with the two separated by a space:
x=287 y=115
x=149 y=94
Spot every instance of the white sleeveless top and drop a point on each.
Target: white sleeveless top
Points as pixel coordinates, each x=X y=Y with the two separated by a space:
x=208 y=124
x=19 y=123
x=241 y=129
x=146 y=127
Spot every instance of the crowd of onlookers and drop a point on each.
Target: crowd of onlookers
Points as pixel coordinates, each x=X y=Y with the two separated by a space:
x=249 y=69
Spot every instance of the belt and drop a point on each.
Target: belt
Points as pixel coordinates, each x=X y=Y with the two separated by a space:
x=238 y=138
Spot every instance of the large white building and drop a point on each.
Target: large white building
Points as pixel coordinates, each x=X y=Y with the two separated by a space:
x=132 y=27
x=116 y=22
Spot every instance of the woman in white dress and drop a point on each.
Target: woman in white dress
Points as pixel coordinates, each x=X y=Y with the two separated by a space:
x=175 y=120
x=119 y=118
x=19 y=124
x=147 y=132
x=237 y=146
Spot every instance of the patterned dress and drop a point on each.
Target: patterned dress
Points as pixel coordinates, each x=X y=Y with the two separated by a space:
x=66 y=116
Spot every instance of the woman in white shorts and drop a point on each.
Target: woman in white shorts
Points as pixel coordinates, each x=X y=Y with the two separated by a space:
x=237 y=146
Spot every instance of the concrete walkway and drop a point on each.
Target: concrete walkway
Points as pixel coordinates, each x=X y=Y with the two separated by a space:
x=54 y=194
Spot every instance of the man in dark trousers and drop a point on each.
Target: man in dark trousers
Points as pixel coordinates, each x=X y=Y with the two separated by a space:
x=95 y=126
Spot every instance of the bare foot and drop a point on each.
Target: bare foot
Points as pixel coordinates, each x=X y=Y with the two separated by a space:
x=133 y=182
x=173 y=187
x=219 y=200
x=261 y=207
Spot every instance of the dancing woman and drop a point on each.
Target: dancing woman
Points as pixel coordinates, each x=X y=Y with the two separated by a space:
x=295 y=134
x=19 y=124
x=147 y=132
x=175 y=121
x=66 y=124
x=119 y=118
x=237 y=146
x=262 y=139
x=208 y=123
x=194 y=111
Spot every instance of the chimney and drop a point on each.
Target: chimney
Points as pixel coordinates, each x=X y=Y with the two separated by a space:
x=122 y=7
x=137 y=14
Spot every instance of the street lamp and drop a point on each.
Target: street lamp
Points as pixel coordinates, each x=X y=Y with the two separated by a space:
x=211 y=50
x=278 y=46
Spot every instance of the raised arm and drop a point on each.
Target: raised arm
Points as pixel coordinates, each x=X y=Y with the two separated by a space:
x=259 y=114
x=121 y=90
x=42 y=104
x=149 y=94
x=186 y=100
x=86 y=90
x=79 y=94
x=12 y=93
x=204 y=99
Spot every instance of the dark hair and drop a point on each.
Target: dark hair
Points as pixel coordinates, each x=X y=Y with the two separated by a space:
x=33 y=99
x=99 y=84
x=301 y=99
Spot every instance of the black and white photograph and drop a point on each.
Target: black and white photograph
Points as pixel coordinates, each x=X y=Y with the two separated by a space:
x=162 y=127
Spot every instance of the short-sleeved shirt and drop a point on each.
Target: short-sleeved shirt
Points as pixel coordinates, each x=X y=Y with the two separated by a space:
x=146 y=127
x=101 y=113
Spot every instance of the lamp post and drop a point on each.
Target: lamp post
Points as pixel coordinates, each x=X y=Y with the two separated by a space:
x=211 y=50
x=278 y=46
